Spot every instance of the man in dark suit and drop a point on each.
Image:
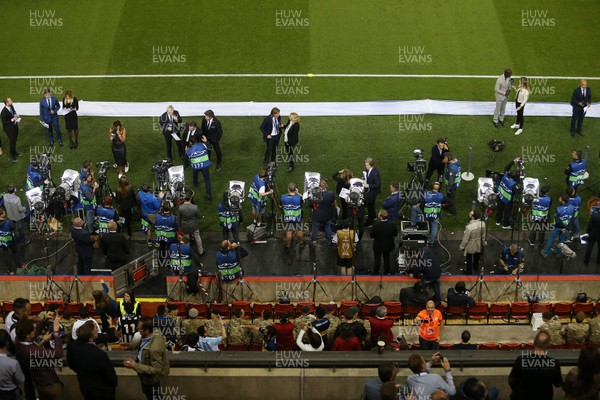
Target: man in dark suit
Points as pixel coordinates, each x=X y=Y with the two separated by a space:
x=271 y=129
x=84 y=247
x=383 y=234
x=436 y=161
x=323 y=212
x=392 y=203
x=581 y=101
x=212 y=129
x=10 y=126
x=373 y=186
x=387 y=373
x=114 y=246
x=190 y=132
x=169 y=123
x=49 y=107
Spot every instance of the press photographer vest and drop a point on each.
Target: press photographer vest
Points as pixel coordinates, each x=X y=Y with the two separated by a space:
x=228 y=265
x=198 y=156
x=227 y=219
x=6 y=234
x=540 y=208
x=509 y=259
x=454 y=168
x=576 y=203
x=505 y=189
x=32 y=178
x=564 y=214
x=149 y=203
x=292 y=207
x=135 y=307
x=345 y=244
x=577 y=172
x=180 y=257
x=105 y=215
x=433 y=205
x=254 y=191
x=165 y=227
x=87 y=204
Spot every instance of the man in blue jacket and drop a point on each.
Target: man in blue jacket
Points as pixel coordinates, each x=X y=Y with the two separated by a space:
x=49 y=107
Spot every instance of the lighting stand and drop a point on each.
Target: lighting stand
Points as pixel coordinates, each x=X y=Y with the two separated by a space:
x=314 y=282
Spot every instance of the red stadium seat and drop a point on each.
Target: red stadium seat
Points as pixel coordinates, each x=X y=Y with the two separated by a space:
x=478 y=312
x=73 y=308
x=7 y=307
x=527 y=346
x=222 y=308
x=331 y=306
x=91 y=309
x=181 y=308
x=452 y=311
x=445 y=346
x=541 y=307
x=510 y=346
x=61 y=305
x=201 y=307
x=255 y=347
x=37 y=308
x=586 y=308
x=345 y=305
x=301 y=304
x=284 y=309
x=488 y=346
x=365 y=310
x=237 y=347
x=576 y=345
x=244 y=305
x=597 y=308
x=499 y=311
x=521 y=311
x=409 y=312
x=563 y=310
x=258 y=308
x=556 y=346
x=394 y=309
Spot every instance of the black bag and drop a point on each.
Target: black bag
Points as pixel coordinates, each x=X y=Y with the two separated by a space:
x=496 y=145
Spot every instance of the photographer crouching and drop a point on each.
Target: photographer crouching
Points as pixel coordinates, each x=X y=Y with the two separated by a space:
x=228 y=260
x=430 y=207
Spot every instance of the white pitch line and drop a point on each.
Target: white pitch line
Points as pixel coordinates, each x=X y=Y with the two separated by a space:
x=130 y=76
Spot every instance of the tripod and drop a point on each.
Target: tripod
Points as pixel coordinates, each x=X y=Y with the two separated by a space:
x=179 y=287
x=477 y=288
x=315 y=282
x=518 y=286
x=74 y=283
x=353 y=281
x=240 y=283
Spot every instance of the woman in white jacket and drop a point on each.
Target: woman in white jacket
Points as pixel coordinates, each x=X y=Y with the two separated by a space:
x=315 y=343
x=520 y=100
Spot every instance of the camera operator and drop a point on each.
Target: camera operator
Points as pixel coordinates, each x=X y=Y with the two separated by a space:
x=211 y=128
x=181 y=256
x=562 y=222
x=323 y=213
x=197 y=156
x=575 y=170
x=8 y=244
x=511 y=260
x=16 y=212
x=228 y=260
x=292 y=216
x=34 y=176
x=506 y=191
x=431 y=208
x=436 y=162
x=539 y=216
x=372 y=188
x=165 y=228
x=342 y=177
x=424 y=264
x=575 y=201
x=150 y=204
x=86 y=169
x=169 y=123
x=451 y=181
x=106 y=213
x=87 y=198
x=258 y=194
x=188 y=216
x=229 y=219
x=392 y=203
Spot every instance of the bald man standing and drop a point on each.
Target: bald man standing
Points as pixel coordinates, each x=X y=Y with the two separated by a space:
x=84 y=247
x=581 y=102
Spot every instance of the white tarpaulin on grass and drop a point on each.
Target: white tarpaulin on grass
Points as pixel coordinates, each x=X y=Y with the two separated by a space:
x=314 y=109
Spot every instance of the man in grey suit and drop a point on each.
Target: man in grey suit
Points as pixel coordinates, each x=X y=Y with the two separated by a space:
x=502 y=90
x=15 y=211
x=188 y=216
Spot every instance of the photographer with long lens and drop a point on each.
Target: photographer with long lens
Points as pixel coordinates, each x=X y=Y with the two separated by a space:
x=511 y=260
x=508 y=188
x=436 y=161
x=451 y=181
x=562 y=222
x=430 y=207
x=576 y=169
x=291 y=203
x=105 y=214
x=197 y=156
x=150 y=204
x=258 y=195
x=182 y=258
x=539 y=217
x=87 y=199
x=228 y=260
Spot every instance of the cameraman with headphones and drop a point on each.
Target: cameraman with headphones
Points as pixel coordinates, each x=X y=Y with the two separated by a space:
x=506 y=191
x=34 y=177
x=431 y=208
x=87 y=198
x=150 y=204
x=291 y=203
x=258 y=194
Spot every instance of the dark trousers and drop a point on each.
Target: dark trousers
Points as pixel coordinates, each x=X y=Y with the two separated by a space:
x=12 y=143
x=360 y=216
x=577 y=118
x=94 y=393
x=127 y=214
x=428 y=344
x=271 y=151
x=217 y=149
x=520 y=115
x=435 y=285
x=386 y=261
x=9 y=394
x=538 y=227
x=14 y=258
x=84 y=264
x=289 y=152
x=503 y=213
x=169 y=145
x=472 y=262
x=451 y=201
x=54 y=124
x=234 y=233
x=588 y=251
x=431 y=168
x=370 y=202
x=151 y=391
x=206 y=176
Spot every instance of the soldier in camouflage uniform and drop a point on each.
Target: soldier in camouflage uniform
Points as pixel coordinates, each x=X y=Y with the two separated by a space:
x=213 y=326
x=595 y=330
x=236 y=334
x=257 y=324
x=552 y=327
x=577 y=332
x=303 y=320
x=67 y=321
x=191 y=324
x=334 y=322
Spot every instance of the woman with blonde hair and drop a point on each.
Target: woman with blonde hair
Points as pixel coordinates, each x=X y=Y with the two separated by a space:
x=117 y=135
x=290 y=138
x=520 y=100
x=71 y=119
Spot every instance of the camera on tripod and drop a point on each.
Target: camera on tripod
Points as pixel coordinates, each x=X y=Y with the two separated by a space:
x=36 y=199
x=271 y=172
x=419 y=164
x=312 y=186
x=161 y=169
x=520 y=168
x=356 y=195
x=102 y=169
x=44 y=165
x=531 y=191
x=486 y=193
x=69 y=186
x=235 y=195
x=176 y=182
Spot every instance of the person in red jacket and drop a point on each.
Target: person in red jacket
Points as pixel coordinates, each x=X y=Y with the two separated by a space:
x=381 y=325
x=347 y=341
x=284 y=333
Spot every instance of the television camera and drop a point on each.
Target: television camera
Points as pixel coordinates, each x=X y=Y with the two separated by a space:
x=356 y=196
x=419 y=164
x=312 y=186
x=235 y=195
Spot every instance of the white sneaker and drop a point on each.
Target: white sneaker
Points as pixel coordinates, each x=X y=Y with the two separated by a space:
x=120 y=175
x=514 y=126
x=518 y=132
x=127 y=168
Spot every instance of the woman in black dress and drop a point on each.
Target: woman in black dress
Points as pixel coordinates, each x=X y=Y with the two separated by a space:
x=126 y=199
x=290 y=138
x=117 y=135
x=71 y=118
